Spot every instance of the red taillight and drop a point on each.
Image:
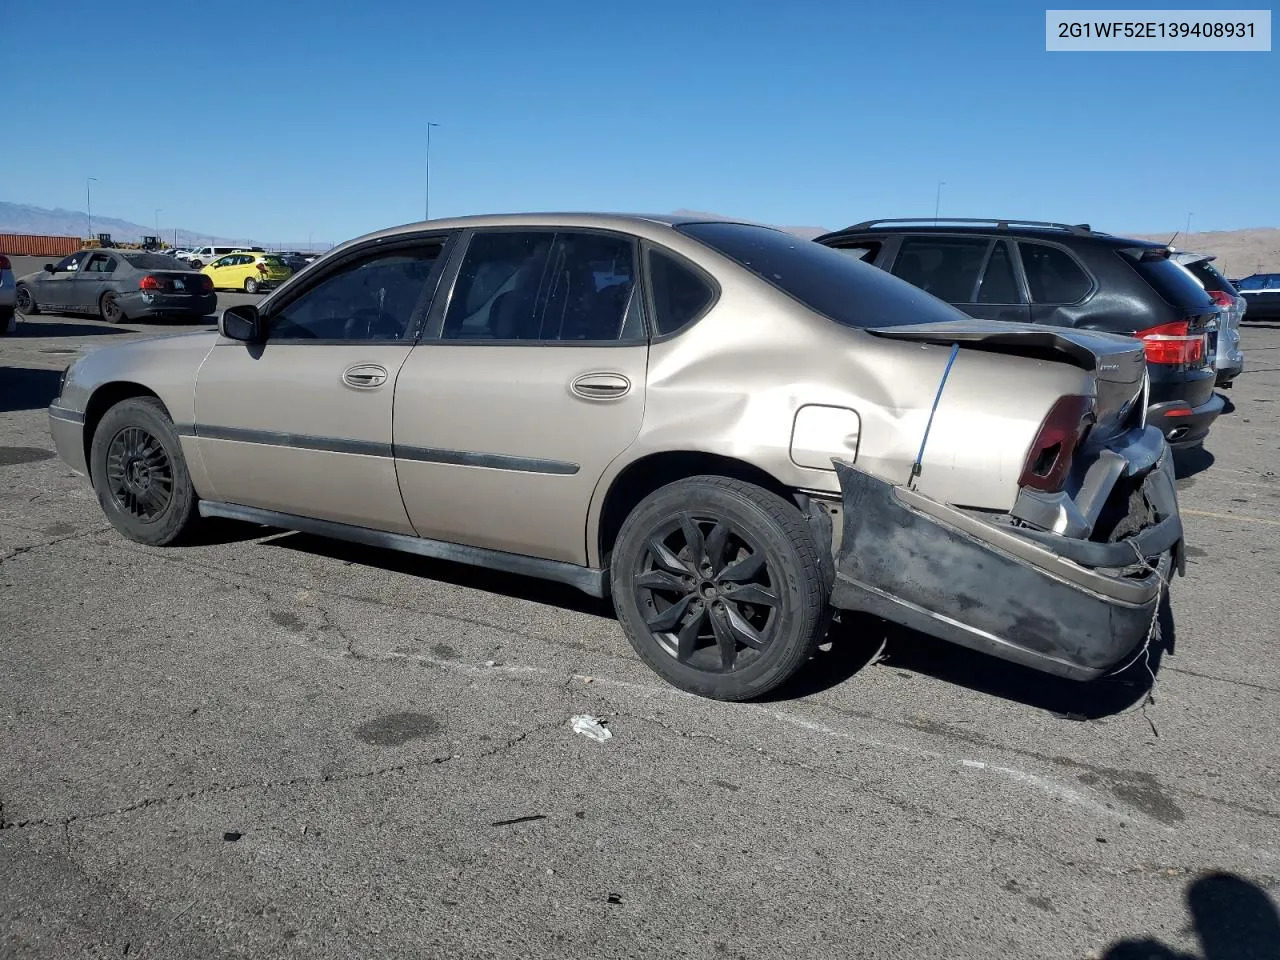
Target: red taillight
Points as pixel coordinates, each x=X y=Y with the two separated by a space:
x=1221 y=298
x=1172 y=343
x=206 y=283
x=149 y=283
x=262 y=267
x=4 y=263
x=1050 y=456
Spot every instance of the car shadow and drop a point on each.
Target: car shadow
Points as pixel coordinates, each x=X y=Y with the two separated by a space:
x=1228 y=405
x=27 y=388
x=33 y=329
x=1188 y=462
x=446 y=571
x=1233 y=918
x=856 y=640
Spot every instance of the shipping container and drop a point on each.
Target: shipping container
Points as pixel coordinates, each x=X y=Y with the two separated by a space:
x=31 y=245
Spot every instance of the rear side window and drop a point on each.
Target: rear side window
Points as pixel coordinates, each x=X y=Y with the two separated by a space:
x=1053 y=276
x=680 y=295
x=1210 y=276
x=826 y=281
x=154 y=261
x=1171 y=281
x=947 y=267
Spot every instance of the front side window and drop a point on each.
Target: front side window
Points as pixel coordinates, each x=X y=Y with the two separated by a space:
x=379 y=296
x=947 y=267
x=542 y=285
x=1053 y=276
x=70 y=263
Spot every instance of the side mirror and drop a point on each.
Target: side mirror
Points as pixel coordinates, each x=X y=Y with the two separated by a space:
x=48 y=268
x=242 y=323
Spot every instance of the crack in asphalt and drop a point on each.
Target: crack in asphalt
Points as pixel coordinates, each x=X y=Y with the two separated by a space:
x=266 y=785
x=20 y=551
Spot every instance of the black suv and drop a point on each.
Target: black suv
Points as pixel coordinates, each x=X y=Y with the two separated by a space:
x=1068 y=276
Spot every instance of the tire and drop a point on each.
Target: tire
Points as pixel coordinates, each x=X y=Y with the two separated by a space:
x=134 y=448
x=109 y=308
x=695 y=631
x=27 y=305
x=250 y=285
x=197 y=265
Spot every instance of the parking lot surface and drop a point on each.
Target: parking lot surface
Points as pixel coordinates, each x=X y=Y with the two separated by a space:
x=268 y=744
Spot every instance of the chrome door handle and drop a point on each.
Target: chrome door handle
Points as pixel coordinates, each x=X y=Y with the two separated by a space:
x=600 y=386
x=364 y=376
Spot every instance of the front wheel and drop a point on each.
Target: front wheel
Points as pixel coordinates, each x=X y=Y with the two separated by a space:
x=27 y=305
x=139 y=474
x=196 y=265
x=250 y=285
x=720 y=587
x=109 y=308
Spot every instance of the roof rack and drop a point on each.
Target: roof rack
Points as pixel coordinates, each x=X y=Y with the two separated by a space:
x=1079 y=228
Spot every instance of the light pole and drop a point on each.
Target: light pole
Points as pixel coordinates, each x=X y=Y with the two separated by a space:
x=1188 y=230
x=937 y=200
x=427 y=205
x=88 y=203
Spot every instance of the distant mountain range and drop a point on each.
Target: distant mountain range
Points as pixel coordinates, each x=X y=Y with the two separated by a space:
x=1239 y=252
x=25 y=218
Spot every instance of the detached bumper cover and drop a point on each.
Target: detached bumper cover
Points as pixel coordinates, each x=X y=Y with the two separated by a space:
x=66 y=427
x=1071 y=608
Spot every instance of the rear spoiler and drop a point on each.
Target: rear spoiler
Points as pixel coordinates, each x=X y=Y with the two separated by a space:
x=1041 y=345
x=1147 y=254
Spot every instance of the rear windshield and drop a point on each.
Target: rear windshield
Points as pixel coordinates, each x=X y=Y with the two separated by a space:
x=272 y=261
x=1211 y=277
x=154 y=261
x=826 y=281
x=1173 y=282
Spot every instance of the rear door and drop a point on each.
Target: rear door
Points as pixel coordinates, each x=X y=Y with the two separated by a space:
x=530 y=384
x=974 y=273
x=91 y=281
x=1056 y=282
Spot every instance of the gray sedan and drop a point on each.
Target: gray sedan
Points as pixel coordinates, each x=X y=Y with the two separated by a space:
x=118 y=285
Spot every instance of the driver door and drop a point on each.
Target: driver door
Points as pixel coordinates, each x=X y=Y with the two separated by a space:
x=301 y=424
x=54 y=291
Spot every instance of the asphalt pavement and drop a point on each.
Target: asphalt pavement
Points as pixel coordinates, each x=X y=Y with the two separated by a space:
x=268 y=744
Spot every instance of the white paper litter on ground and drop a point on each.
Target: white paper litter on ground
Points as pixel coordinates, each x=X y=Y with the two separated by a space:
x=592 y=728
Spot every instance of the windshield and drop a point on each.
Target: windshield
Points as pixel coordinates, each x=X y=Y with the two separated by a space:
x=826 y=281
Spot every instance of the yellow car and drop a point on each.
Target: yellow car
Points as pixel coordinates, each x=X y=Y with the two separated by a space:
x=247 y=271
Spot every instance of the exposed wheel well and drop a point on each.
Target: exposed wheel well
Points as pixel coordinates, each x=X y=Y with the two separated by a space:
x=649 y=473
x=102 y=400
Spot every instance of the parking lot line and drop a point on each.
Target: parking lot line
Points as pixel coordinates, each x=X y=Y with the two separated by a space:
x=1230 y=516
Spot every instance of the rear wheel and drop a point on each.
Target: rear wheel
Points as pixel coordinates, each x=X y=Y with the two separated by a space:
x=109 y=308
x=139 y=474
x=250 y=285
x=27 y=305
x=196 y=265
x=720 y=587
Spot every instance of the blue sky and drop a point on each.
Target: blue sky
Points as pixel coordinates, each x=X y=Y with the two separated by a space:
x=291 y=119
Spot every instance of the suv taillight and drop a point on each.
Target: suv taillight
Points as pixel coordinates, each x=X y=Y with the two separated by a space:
x=1172 y=343
x=1061 y=432
x=149 y=283
x=1221 y=298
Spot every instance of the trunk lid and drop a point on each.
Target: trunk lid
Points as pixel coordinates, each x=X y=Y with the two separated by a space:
x=1118 y=363
x=179 y=282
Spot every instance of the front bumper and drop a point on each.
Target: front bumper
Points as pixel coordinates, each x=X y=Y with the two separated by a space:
x=1072 y=608
x=66 y=427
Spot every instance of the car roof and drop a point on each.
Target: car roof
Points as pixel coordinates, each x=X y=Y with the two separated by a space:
x=1030 y=229
x=602 y=221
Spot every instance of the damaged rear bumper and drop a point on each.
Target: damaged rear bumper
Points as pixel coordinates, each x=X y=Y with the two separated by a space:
x=1069 y=607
